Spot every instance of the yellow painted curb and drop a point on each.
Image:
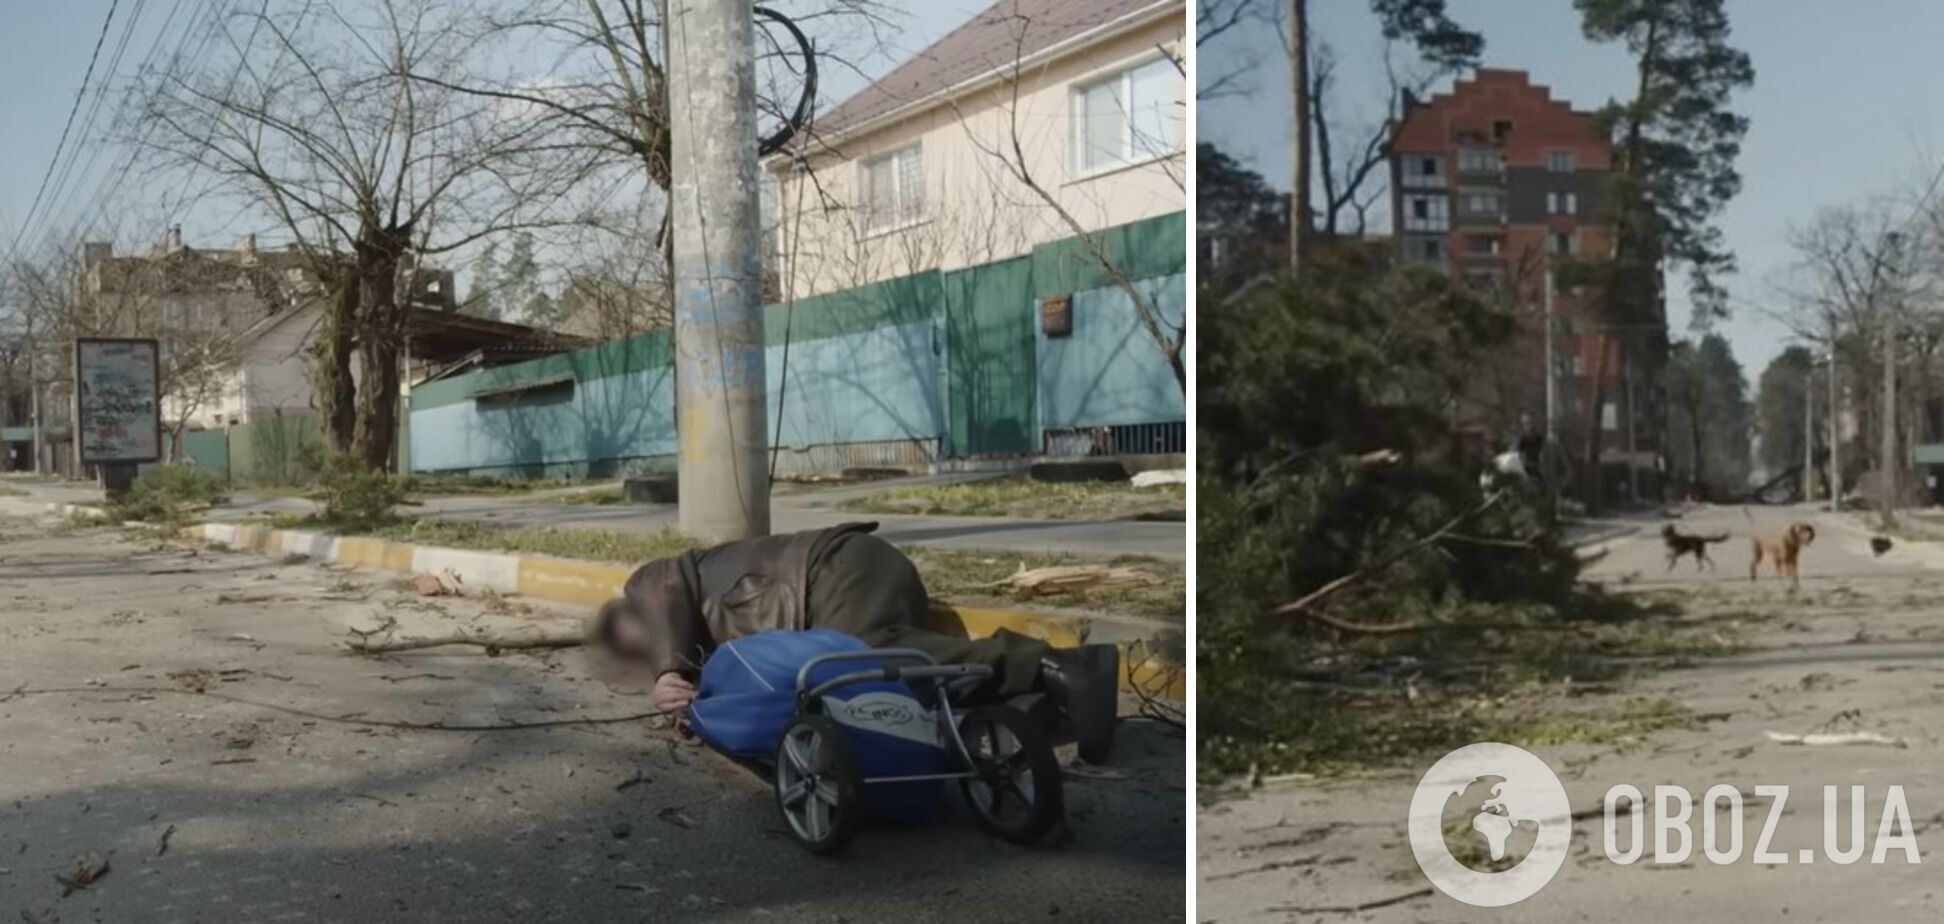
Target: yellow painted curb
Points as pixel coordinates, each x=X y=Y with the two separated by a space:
x=1143 y=670
x=568 y=581
x=593 y=583
x=374 y=553
x=980 y=621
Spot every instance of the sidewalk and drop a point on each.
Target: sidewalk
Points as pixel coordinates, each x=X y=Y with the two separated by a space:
x=1152 y=650
x=789 y=512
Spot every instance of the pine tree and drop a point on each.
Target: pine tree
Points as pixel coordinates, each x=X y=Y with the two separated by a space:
x=1675 y=145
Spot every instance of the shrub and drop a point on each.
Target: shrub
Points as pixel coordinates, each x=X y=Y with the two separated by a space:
x=168 y=494
x=356 y=497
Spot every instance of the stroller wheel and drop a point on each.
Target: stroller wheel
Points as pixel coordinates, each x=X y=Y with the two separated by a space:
x=1014 y=789
x=817 y=784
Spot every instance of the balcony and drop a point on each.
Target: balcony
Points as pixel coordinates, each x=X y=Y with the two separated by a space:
x=1421 y=171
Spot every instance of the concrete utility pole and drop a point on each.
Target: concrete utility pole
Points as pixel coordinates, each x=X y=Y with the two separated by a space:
x=1888 y=464
x=1552 y=389
x=1834 y=423
x=1808 y=477
x=33 y=392
x=1299 y=183
x=720 y=381
x=1633 y=467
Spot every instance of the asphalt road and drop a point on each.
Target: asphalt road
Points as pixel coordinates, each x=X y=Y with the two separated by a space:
x=268 y=815
x=1859 y=649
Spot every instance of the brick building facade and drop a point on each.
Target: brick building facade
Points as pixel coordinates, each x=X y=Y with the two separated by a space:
x=1498 y=183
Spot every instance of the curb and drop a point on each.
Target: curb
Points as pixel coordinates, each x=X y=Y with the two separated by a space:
x=1151 y=665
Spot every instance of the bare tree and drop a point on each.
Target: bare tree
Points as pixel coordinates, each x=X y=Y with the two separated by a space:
x=1008 y=152
x=320 y=117
x=608 y=89
x=1227 y=74
x=1857 y=266
x=193 y=306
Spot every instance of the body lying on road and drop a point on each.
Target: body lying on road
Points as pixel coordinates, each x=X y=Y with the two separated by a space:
x=673 y=612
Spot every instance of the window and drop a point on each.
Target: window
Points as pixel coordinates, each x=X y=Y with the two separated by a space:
x=1559 y=161
x=1501 y=130
x=1126 y=118
x=1428 y=248
x=1562 y=203
x=1477 y=202
x=1478 y=160
x=1427 y=213
x=1562 y=244
x=1423 y=170
x=894 y=189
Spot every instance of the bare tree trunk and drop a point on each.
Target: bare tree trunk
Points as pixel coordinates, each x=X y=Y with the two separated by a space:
x=335 y=385
x=381 y=330
x=1596 y=418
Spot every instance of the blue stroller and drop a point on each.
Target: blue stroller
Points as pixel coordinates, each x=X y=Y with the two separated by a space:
x=858 y=734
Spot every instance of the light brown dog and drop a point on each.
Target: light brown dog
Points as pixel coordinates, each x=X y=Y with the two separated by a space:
x=1784 y=550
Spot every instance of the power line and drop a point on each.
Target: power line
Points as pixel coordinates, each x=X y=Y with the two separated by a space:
x=213 y=14
x=61 y=191
x=52 y=163
x=81 y=197
x=95 y=206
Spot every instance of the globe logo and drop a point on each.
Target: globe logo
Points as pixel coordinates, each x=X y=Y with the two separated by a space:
x=1481 y=830
x=1490 y=824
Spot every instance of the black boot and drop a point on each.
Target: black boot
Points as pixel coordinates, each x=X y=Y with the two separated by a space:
x=1085 y=686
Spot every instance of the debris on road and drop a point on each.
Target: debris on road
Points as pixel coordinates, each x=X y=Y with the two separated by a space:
x=363 y=642
x=633 y=781
x=675 y=816
x=162 y=846
x=192 y=679
x=1831 y=739
x=88 y=870
x=1159 y=477
x=445 y=584
x=1066 y=579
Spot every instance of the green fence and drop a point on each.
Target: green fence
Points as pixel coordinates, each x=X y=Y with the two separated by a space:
x=952 y=362
x=282 y=450
x=208 y=449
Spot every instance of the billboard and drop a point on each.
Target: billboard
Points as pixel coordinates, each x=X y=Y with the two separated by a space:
x=118 y=401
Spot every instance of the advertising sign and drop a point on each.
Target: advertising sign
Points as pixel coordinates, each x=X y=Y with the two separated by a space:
x=118 y=399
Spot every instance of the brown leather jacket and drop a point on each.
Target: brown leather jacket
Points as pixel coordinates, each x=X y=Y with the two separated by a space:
x=712 y=595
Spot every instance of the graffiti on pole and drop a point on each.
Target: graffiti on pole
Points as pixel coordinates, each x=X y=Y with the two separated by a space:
x=118 y=401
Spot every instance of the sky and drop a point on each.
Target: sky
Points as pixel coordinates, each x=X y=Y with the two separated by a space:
x=1844 y=106
x=44 y=52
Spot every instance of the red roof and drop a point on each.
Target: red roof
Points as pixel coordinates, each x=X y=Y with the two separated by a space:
x=1006 y=32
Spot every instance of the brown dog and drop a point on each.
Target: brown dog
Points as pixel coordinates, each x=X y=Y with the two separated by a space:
x=1785 y=550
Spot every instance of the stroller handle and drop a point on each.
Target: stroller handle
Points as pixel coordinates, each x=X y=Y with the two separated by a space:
x=946 y=672
x=868 y=654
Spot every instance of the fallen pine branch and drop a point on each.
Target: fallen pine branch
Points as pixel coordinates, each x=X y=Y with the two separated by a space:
x=1357 y=909
x=363 y=644
x=1304 y=604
